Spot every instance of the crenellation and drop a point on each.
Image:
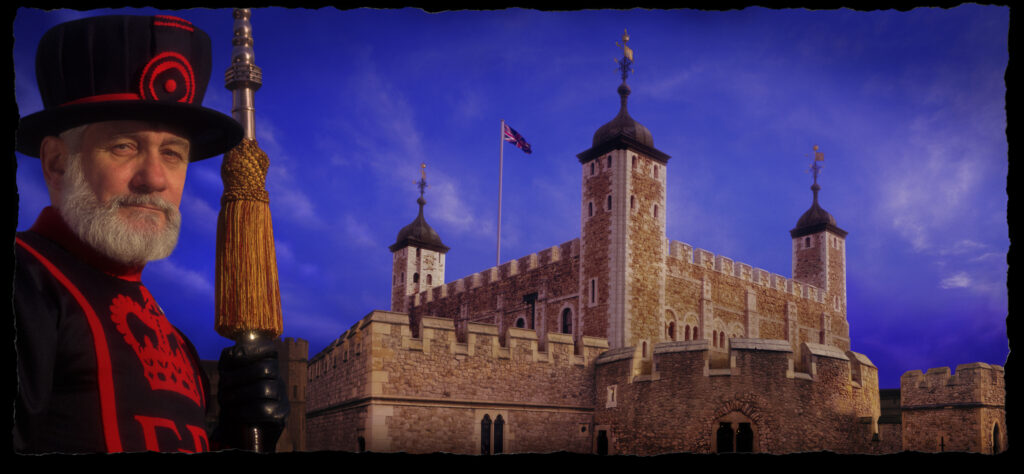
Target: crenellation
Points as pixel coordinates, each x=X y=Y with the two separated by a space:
x=704 y=259
x=744 y=272
x=723 y=265
x=761 y=277
x=778 y=281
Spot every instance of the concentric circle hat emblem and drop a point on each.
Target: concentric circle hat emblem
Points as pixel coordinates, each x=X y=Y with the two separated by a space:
x=168 y=77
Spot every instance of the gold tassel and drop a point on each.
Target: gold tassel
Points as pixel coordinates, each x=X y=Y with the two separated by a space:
x=247 y=293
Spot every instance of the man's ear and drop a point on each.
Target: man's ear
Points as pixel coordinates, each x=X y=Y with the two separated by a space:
x=53 y=155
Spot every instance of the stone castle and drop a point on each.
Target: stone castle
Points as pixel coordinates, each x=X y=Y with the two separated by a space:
x=622 y=341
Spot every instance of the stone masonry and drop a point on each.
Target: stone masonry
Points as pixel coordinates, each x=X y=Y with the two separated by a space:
x=624 y=341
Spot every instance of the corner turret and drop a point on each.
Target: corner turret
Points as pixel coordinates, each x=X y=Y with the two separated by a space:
x=819 y=248
x=417 y=256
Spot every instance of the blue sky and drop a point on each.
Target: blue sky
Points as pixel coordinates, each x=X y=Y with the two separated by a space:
x=908 y=108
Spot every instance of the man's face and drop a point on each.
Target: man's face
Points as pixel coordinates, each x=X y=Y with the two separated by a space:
x=134 y=158
x=121 y=188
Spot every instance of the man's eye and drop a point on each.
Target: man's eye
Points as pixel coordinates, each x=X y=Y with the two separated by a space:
x=123 y=148
x=174 y=154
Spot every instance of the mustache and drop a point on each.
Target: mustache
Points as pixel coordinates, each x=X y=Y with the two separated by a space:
x=149 y=200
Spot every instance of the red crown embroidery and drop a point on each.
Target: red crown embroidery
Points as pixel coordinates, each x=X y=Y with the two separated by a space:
x=161 y=351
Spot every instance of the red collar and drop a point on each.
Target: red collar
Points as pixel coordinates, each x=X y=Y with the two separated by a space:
x=51 y=225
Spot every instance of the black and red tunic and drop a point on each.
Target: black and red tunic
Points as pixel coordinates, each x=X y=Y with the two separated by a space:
x=100 y=369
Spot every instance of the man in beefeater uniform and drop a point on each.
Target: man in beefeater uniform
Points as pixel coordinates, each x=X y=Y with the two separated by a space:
x=100 y=368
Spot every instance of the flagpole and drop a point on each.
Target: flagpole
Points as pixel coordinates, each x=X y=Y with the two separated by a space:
x=501 y=167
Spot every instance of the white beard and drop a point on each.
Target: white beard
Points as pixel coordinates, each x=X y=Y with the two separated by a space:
x=131 y=241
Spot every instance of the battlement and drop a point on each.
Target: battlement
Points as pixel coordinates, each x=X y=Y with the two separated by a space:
x=439 y=334
x=495 y=274
x=748 y=358
x=379 y=357
x=977 y=383
x=742 y=271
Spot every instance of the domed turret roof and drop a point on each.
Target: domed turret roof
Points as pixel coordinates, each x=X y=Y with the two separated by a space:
x=419 y=234
x=623 y=125
x=815 y=219
x=622 y=132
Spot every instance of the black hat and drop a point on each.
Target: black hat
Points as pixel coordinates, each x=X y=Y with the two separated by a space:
x=127 y=68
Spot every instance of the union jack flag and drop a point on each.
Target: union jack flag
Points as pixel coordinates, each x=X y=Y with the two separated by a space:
x=516 y=139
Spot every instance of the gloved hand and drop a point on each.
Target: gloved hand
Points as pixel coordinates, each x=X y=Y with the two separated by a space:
x=252 y=396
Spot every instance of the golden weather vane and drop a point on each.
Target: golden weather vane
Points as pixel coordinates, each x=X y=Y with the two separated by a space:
x=815 y=167
x=422 y=183
x=627 y=56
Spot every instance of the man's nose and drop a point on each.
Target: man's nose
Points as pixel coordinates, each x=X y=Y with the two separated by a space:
x=150 y=174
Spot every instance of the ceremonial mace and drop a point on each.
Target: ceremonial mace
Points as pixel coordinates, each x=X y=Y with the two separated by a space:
x=248 y=300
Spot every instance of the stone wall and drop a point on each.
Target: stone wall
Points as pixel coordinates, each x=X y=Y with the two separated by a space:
x=429 y=393
x=495 y=295
x=965 y=411
x=678 y=407
x=723 y=296
x=645 y=252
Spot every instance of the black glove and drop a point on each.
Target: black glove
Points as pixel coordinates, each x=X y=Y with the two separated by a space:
x=252 y=396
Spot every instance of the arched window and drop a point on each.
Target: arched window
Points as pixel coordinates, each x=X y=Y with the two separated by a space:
x=744 y=438
x=714 y=338
x=687 y=332
x=672 y=330
x=362 y=445
x=724 y=436
x=807 y=242
x=609 y=202
x=721 y=339
x=735 y=433
x=590 y=207
x=632 y=202
x=995 y=439
x=485 y=435
x=634 y=161
x=567 y=321
x=655 y=168
x=591 y=168
x=415 y=277
x=499 y=432
x=520 y=323
x=417 y=253
x=655 y=210
x=609 y=161
x=430 y=279
x=644 y=353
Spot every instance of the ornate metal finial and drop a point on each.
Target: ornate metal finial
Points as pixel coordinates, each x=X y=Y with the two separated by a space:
x=627 y=56
x=815 y=167
x=422 y=183
x=243 y=77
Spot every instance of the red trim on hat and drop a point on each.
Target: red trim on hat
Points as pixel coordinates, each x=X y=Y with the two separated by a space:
x=105 y=377
x=158 y=64
x=104 y=98
x=173 y=21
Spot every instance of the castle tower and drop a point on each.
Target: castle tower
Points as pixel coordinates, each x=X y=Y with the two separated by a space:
x=819 y=249
x=417 y=262
x=622 y=229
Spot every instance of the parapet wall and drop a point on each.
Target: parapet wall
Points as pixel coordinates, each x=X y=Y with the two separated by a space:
x=521 y=266
x=395 y=392
x=496 y=295
x=972 y=383
x=743 y=271
x=689 y=360
x=834 y=406
x=963 y=411
x=379 y=356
